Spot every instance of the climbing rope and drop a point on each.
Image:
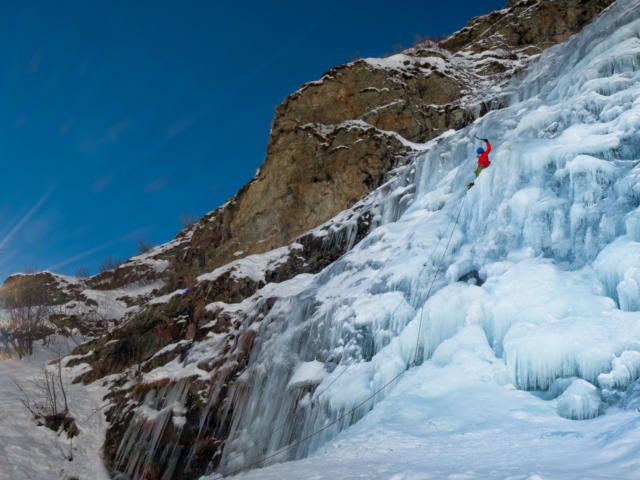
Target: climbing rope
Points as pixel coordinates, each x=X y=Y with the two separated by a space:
x=256 y=463
x=433 y=281
x=318 y=394
x=311 y=435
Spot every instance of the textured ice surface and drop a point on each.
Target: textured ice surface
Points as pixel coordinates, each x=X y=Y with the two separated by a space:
x=624 y=370
x=579 y=401
x=308 y=373
x=553 y=228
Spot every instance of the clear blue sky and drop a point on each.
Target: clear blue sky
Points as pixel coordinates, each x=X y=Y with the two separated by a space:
x=117 y=116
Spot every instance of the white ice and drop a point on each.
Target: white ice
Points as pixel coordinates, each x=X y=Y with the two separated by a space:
x=580 y=401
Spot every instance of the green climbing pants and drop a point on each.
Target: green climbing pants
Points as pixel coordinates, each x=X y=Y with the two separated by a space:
x=479 y=169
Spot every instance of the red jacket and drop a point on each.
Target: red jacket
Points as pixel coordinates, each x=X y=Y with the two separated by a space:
x=483 y=159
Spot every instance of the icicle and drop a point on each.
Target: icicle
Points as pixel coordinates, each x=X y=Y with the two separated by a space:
x=157 y=423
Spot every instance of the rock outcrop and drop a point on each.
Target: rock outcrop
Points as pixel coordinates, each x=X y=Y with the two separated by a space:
x=322 y=155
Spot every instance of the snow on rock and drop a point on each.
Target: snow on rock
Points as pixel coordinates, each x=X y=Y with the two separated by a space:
x=150 y=257
x=580 y=401
x=253 y=267
x=174 y=370
x=400 y=61
x=105 y=308
x=284 y=289
x=158 y=265
x=467 y=67
x=167 y=297
x=112 y=304
x=308 y=373
x=326 y=130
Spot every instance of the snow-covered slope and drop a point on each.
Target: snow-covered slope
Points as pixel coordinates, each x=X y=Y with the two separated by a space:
x=31 y=452
x=547 y=332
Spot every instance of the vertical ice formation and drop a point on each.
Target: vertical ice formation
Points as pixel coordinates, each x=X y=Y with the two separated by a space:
x=156 y=426
x=624 y=370
x=553 y=228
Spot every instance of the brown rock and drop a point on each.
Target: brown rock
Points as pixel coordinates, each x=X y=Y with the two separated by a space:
x=529 y=22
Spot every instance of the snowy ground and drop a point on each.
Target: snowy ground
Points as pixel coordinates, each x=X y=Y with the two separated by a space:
x=31 y=452
x=456 y=423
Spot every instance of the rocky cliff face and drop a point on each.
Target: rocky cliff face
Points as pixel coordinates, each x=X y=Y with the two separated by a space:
x=178 y=322
x=322 y=155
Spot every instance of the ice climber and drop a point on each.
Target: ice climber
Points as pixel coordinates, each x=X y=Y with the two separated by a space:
x=483 y=159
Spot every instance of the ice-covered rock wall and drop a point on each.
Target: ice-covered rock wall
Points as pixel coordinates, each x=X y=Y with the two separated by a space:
x=552 y=228
x=157 y=424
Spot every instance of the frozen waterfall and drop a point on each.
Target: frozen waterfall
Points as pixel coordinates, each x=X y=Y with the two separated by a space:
x=552 y=228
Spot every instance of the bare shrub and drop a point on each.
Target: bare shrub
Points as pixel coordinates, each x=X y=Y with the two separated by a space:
x=183 y=275
x=82 y=272
x=50 y=399
x=110 y=263
x=49 y=403
x=428 y=40
x=419 y=39
x=144 y=246
x=188 y=220
x=27 y=316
